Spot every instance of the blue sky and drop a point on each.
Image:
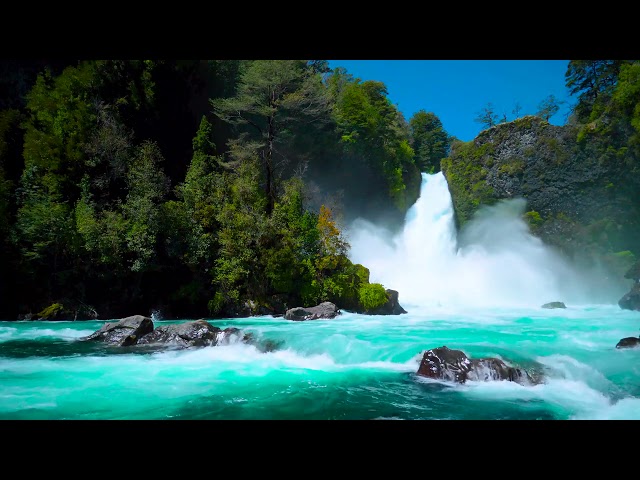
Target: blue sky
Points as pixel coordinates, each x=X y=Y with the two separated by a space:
x=456 y=90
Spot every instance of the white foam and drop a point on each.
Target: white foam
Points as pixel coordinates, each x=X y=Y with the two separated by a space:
x=496 y=262
x=11 y=333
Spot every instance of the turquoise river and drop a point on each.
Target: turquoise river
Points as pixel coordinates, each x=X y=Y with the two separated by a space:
x=479 y=291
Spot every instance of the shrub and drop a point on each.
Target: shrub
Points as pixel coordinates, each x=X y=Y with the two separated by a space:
x=372 y=296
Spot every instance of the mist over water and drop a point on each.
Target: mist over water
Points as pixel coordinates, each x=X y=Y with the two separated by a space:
x=493 y=262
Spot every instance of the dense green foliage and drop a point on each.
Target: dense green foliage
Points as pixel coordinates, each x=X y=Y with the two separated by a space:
x=196 y=187
x=372 y=296
x=548 y=107
x=430 y=141
x=372 y=128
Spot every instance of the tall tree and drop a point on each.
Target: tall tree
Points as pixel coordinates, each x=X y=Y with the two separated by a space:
x=373 y=128
x=487 y=116
x=430 y=140
x=273 y=98
x=517 y=108
x=590 y=79
x=548 y=107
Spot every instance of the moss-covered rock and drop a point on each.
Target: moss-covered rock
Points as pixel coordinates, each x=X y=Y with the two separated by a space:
x=51 y=312
x=372 y=296
x=66 y=310
x=567 y=184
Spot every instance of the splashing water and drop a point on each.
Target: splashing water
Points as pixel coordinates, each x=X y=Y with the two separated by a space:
x=495 y=262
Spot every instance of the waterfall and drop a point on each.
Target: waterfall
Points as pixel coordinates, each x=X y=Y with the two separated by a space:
x=493 y=262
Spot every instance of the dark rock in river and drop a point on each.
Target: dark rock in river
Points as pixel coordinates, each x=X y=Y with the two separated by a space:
x=445 y=364
x=628 y=342
x=273 y=305
x=125 y=332
x=198 y=333
x=554 y=305
x=631 y=301
x=324 y=310
x=392 y=307
x=232 y=335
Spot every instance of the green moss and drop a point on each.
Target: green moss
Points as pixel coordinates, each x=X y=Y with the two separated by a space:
x=533 y=218
x=527 y=122
x=51 y=311
x=466 y=170
x=609 y=185
x=372 y=296
x=362 y=272
x=513 y=166
x=216 y=304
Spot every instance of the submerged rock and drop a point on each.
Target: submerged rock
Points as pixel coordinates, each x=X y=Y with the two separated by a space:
x=198 y=333
x=124 y=332
x=324 y=310
x=631 y=301
x=453 y=365
x=554 y=305
x=232 y=335
x=392 y=307
x=628 y=342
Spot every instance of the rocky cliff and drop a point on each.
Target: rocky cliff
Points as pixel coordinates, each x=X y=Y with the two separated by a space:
x=580 y=195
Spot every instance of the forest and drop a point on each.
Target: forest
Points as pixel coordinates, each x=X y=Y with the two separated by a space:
x=222 y=188
x=196 y=187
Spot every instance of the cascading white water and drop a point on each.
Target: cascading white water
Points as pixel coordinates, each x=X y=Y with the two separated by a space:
x=495 y=262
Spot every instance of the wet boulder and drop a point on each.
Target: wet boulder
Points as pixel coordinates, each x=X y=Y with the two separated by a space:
x=324 y=310
x=443 y=363
x=554 y=305
x=629 y=342
x=198 y=333
x=124 y=332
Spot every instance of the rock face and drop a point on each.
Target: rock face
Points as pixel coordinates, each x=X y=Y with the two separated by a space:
x=125 y=332
x=392 y=307
x=554 y=305
x=324 y=310
x=575 y=200
x=198 y=333
x=631 y=301
x=453 y=365
x=63 y=310
x=629 y=342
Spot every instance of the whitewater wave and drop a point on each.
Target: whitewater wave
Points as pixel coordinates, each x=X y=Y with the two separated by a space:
x=12 y=333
